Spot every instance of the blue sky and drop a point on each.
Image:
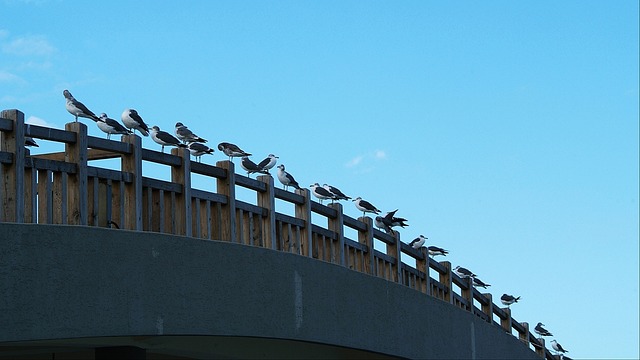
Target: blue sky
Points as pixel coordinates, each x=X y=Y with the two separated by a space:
x=505 y=131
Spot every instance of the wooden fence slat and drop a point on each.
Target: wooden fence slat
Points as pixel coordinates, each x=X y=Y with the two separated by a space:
x=13 y=173
x=132 y=199
x=227 y=186
x=181 y=174
x=77 y=195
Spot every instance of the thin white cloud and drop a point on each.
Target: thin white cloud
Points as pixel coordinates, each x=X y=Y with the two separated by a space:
x=34 y=120
x=29 y=45
x=7 y=77
x=355 y=161
x=365 y=161
x=380 y=155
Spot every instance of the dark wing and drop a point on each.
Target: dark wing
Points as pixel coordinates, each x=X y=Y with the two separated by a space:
x=367 y=205
x=116 y=125
x=134 y=115
x=264 y=162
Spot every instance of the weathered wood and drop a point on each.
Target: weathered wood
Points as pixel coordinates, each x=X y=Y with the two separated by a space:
x=335 y=225
x=524 y=335
x=445 y=279
x=393 y=250
x=76 y=153
x=505 y=322
x=13 y=174
x=30 y=195
x=422 y=265
x=467 y=292
x=227 y=186
x=303 y=212
x=267 y=201
x=181 y=174
x=132 y=199
x=366 y=238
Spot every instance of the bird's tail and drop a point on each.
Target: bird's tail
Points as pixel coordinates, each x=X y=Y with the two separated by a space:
x=144 y=132
x=182 y=145
x=516 y=299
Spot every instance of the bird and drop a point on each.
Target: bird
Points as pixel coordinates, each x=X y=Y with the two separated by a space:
x=337 y=194
x=286 y=179
x=540 y=330
x=198 y=149
x=250 y=167
x=112 y=224
x=396 y=221
x=479 y=283
x=509 y=299
x=388 y=221
x=463 y=272
x=557 y=347
x=435 y=251
x=320 y=192
x=132 y=120
x=76 y=108
x=111 y=126
x=231 y=150
x=268 y=163
x=418 y=242
x=164 y=138
x=28 y=141
x=185 y=135
x=365 y=206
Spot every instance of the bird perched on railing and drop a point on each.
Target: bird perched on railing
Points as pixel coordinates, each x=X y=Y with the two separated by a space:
x=28 y=141
x=507 y=299
x=388 y=221
x=479 y=283
x=463 y=272
x=185 y=135
x=418 y=242
x=320 y=192
x=111 y=126
x=232 y=150
x=435 y=251
x=76 y=108
x=557 y=347
x=286 y=179
x=540 y=330
x=337 y=194
x=268 y=163
x=250 y=167
x=198 y=149
x=365 y=206
x=132 y=120
x=164 y=138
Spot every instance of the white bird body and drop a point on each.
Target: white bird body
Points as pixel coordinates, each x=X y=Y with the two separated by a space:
x=320 y=192
x=185 y=135
x=365 y=206
x=434 y=251
x=232 y=150
x=337 y=194
x=198 y=149
x=507 y=299
x=418 y=242
x=557 y=347
x=132 y=120
x=540 y=330
x=286 y=179
x=463 y=272
x=268 y=163
x=164 y=138
x=76 y=108
x=250 y=167
x=111 y=126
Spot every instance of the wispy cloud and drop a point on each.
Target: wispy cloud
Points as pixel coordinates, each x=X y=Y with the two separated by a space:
x=34 y=120
x=355 y=161
x=29 y=45
x=366 y=161
x=7 y=77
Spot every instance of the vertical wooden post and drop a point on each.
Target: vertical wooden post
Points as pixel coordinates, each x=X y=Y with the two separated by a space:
x=132 y=201
x=303 y=211
x=467 y=293
x=366 y=238
x=337 y=226
x=524 y=337
x=227 y=186
x=445 y=279
x=77 y=195
x=540 y=350
x=13 y=174
x=395 y=251
x=267 y=200
x=45 y=194
x=488 y=309
x=181 y=174
x=506 y=322
x=422 y=265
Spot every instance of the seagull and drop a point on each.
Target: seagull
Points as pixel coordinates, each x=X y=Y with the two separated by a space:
x=76 y=108
x=111 y=126
x=479 y=283
x=365 y=206
x=198 y=149
x=389 y=221
x=133 y=121
x=164 y=138
x=250 y=167
x=383 y=223
x=268 y=162
x=540 y=330
x=231 y=150
x=286 y=179
x=557 y=347
x=183 y=133
x=337 y=194
x=320 y=192
x=418 y=242
x=435 y=251
x=463 y=273
x=396 y=221
x=509 y=299
x=28 y=141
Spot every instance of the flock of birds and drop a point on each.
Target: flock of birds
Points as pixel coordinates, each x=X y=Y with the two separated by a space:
x=183 y=137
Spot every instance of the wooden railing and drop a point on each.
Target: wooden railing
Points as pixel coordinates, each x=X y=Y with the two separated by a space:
x=63 y=188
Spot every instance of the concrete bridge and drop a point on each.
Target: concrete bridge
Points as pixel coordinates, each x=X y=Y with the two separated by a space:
x=199 y=274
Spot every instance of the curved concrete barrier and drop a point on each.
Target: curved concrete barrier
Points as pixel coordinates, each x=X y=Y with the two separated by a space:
x=77 y=286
